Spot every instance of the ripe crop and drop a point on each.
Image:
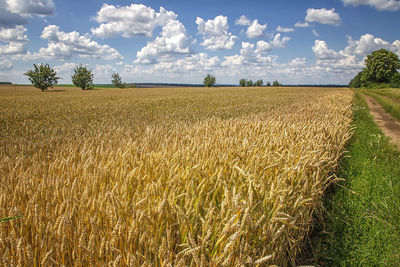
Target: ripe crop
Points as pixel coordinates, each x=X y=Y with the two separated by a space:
x=165 y=177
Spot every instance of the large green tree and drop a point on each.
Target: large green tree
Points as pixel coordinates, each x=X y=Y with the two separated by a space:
x=82 y=77
x=42 y=76
x=381 y=65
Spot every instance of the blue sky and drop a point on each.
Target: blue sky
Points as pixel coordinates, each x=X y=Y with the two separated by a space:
x=308 y=42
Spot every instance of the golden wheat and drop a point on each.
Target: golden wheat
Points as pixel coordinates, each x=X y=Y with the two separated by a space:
x=165 y=177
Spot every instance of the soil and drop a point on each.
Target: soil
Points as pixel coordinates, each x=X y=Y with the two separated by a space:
x=389 y=126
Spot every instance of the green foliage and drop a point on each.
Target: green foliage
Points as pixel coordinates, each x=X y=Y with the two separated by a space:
x=249 y=83
x=268 y=83
x=42 y=76
x=276 y=83
x=259 y=83
x=209 y=80
x=117 y=81
x=242 y=82
x=356 y=81
x=395 y=81
x=9 y=218
x=82 y=78
x=381 y=65
x=362 y=228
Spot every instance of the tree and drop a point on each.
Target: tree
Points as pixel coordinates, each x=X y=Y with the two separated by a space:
x=117 y=81
x=276 y=83
x=249 y=83
x=259 y=83
x=381 y=65
x=268 y=84
x=395 y=81
x=82 y=78
x=356 y=81
x=242 y=82
x=42 y=76
x=209 y=80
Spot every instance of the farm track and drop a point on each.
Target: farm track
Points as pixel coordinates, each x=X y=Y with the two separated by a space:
x=389 y=125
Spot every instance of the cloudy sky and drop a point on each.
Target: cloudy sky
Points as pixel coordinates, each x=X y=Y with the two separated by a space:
x=293 y=41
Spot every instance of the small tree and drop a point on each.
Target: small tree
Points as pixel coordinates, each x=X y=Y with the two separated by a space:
x=249 y=83
x=259 y=83
x=82 y=78
x=268 y=84
x=395 y=81
x=242 y=82
x=42 y=76
x=117 y=81
x=276 y=83
x=209 y=80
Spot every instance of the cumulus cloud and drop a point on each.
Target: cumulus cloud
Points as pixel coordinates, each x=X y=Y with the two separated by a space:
x=263 y=47
x=249 y=54
x=385 y=5
x=301 y=24
x=256 y=30
x=298 y=62
x=30 y=7
x=172 y=40
x=16 y=34
x=243 y=21
x=5 y=65
x=367 y=44
x=283 y=29
x=15 y=38
x=279 y=41
x=65 y=69
x=215 y=33
x=323 y=15
x=63 y=45
x=322 y=51
x=128 y=21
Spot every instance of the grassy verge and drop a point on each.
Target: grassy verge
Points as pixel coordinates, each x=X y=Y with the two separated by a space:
x=389 y=103
x=363 y=211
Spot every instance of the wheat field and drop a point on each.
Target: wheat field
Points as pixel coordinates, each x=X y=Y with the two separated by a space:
x=165 y=176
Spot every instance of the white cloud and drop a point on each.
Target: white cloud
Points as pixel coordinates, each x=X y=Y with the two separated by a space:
x=215 y=33
x=243 y=21
x=128 y=21
x=283 y=29
x=5 y=65
x=280 y=42
x=301 y=24
x=322 y=51
x=66 y=69
x=102 y=73
x=62 y=45
x=367 y=44
x=249 y=54
x=385 y=5
x=16 y=34
x=298 y=62
x=16 y=40
x=263 y=47
x=28 y=7
x=256 y=29
x=12 y=48
x=323 y=15
x=172 y=40
x=314 y=31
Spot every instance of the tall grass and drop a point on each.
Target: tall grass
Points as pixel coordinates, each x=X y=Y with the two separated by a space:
x=166 y=177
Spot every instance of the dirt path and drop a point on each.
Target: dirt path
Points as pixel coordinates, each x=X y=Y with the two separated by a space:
x=389 y=126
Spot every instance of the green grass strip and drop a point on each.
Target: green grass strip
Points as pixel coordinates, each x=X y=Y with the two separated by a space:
x=363 y=211
x=389 y=105
x=9 y=218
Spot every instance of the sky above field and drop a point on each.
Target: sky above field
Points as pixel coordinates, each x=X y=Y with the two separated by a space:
x=294 y=42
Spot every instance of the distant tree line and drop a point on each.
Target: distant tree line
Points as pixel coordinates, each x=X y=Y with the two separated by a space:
x=42 y=76
x=380 y=71
x=244 y=82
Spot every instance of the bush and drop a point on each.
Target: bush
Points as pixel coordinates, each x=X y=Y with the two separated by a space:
x=249 y=83
x=42 y=76
x=82 y=78
x=242 y=82
x=259 y=83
